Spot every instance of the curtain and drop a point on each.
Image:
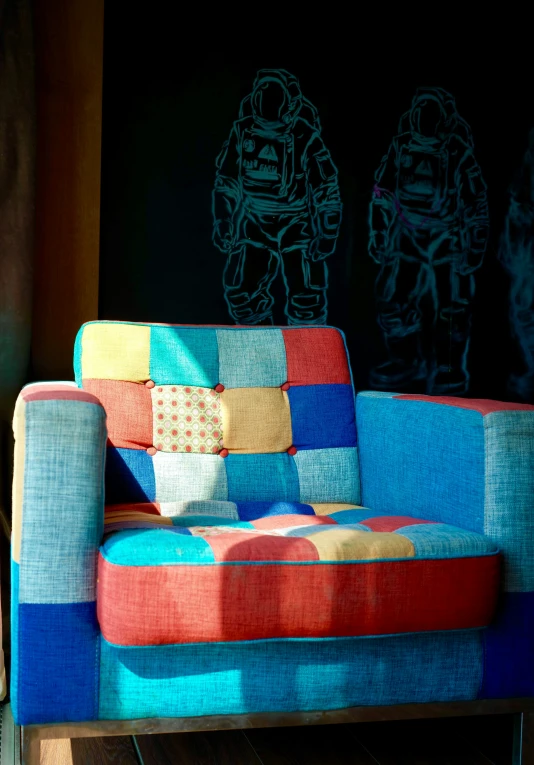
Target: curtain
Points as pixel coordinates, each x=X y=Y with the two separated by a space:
x=17 y=153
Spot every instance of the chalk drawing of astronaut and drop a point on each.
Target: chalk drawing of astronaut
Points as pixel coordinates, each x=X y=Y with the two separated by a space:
x=276 y=205
x=516 y=253
x=429 y=228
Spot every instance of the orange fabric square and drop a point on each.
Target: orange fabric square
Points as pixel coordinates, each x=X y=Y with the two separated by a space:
x=128 y=408
x=256 y=420
x=316 y=357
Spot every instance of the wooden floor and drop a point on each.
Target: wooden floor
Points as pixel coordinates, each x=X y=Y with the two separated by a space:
x=467 y=741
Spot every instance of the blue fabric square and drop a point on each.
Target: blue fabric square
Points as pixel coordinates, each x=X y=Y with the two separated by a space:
x=252 y=358
x=58 y=663
x=509 y=649
x=322 y=416
x=427 y=457
x=129 y=476
x=328 y=475
x=262 y=477
x=252 y=511
x=184 y=356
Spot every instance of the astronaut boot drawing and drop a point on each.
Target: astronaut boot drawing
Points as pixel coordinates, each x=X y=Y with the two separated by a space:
x=521 y=385
x=450 y=376
x=404 y=366
x=402 y=338
x=246 y=280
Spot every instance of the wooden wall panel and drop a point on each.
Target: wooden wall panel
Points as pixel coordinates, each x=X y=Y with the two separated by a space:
x=69 y=61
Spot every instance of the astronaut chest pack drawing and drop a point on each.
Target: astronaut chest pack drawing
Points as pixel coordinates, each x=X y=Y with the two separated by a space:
x=266 y=162
x=422 y=176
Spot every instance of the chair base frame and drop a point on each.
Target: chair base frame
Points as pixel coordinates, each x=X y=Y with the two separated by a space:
x=523 y=709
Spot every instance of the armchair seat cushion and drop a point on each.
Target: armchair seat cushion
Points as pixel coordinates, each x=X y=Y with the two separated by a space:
x=256 y=570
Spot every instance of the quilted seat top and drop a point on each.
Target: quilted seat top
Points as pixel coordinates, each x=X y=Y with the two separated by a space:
x=223 y=571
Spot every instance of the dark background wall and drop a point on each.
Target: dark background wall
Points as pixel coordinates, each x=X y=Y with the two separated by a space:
x=172 y=89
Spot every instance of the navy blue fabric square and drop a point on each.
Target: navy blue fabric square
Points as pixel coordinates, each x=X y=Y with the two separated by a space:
x=322 y=416
x=509 y=649
x=251 y=511
x=129 y=476
x=58 y=663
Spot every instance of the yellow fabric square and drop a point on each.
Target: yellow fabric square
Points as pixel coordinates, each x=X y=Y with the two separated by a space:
x=327 y=508
x=256 y=420
x=352 y=544
x=116 y=352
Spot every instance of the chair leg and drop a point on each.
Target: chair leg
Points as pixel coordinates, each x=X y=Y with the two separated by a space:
x=524 y=739
x=31 y=747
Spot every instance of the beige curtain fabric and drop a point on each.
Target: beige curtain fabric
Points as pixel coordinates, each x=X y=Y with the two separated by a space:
x=17 y=124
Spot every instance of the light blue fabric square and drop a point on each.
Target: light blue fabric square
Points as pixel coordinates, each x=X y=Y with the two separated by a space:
x=182 y=477
x=252 y=358
x=440 y=540
x=63 y=501
x=329 y=475
x=184 y=356
x=509 y=490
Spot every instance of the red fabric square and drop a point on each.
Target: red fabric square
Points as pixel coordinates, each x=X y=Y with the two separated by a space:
x=391 y=522
x=482 y=405
x=316 y=357
x=128 y=408
x=253 y=546
x=166 y=604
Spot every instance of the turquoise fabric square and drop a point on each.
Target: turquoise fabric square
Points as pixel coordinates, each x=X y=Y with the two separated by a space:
x=252 y=358
x=155 y=547
x=262 y=477
x=184 y=356
x=329 y=475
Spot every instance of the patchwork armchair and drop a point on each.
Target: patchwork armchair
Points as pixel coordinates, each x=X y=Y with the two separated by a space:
x=211 y=531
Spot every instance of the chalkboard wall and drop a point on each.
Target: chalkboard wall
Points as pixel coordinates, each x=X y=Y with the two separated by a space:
x=363 y=171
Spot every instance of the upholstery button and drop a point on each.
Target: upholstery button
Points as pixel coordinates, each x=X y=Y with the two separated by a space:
x=292 y=450
x=150 y=384
x=286 y=386
x=223 y=453
x=219 y=387
x=151 y=450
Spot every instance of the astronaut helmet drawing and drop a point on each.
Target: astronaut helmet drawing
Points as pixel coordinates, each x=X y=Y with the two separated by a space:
x=428 y=230
x=298 y=105
x=276 y=204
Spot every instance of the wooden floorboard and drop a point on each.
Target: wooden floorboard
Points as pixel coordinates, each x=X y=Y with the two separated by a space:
x=112 y=750
x=453 y=741
x=308 y=746
x=418 y=742
x=214 y=748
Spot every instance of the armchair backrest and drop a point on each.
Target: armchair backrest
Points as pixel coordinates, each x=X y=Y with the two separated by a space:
x=223 y=413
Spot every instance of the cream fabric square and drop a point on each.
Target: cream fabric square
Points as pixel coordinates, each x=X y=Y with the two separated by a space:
x=187 y=418
x=256 y=420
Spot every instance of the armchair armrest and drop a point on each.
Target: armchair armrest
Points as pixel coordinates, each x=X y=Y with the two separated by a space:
x=58 y=510
x=465 y=462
